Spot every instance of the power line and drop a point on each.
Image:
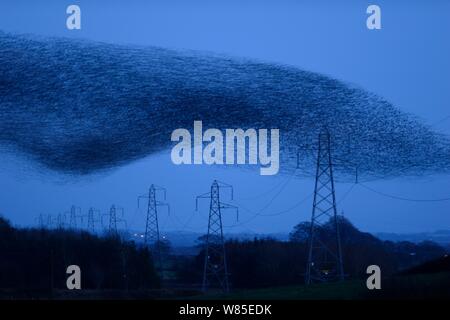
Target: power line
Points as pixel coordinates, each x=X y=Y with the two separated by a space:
x=259 y=214
x=402 y=198
x=269 y=191
x=344 y=196
x=440 y=121
x=183 y=226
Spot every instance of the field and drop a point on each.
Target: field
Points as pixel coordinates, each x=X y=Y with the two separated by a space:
x=422 y=286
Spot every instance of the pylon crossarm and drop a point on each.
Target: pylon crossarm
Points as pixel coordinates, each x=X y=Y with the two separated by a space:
x=101 y=218
x=226 y=185
x=140 y=198
x=124 y=222
x=230 y=206
x=223 y=184
x=159 y=188
x=162 y=204
x=202 y=196
x=121 y=210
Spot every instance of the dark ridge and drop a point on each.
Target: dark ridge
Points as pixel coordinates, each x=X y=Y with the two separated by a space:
x=435 y=266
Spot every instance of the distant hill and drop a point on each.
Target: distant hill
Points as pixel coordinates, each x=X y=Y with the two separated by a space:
x=434 y=266
x=441 y=237
x=189 y=239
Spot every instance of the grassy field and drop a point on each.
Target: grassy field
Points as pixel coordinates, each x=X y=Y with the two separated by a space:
x=344 y=290
x=427 y=286
x=421 y=286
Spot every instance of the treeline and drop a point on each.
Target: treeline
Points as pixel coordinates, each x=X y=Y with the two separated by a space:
x=268 y=262
x=35 y=260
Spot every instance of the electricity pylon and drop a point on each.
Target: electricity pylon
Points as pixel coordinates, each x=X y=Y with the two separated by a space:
x=73 y=217
x=41 y=223
x=215 y=270
x=152 y=236
x=49 y=221
x=61 y=221
x=324 y=253
x=91 y=223
x=91 y=220
x=114 y=220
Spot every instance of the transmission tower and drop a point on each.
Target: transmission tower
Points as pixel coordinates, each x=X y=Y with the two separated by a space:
x=44 y=222
x=114 y=220
x=49 y=221
x=73 y=217
x=215 y=270
x=91 y=221
x=324 y=253
x=152 y=236
x=61 y=221
x=40 y=220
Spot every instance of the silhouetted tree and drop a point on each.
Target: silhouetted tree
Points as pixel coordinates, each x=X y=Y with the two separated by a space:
x=34 y=261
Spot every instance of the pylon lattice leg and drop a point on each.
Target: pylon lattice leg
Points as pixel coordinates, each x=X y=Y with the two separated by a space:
x=91 y=223
x=113 y=221
x=152 y=227
x=215 y=267
x=324 y=252
x=73 y=218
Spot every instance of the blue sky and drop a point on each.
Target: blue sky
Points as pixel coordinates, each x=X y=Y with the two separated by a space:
x=406 y=62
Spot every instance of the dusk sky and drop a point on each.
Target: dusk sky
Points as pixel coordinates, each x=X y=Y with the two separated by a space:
x=406 y=62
